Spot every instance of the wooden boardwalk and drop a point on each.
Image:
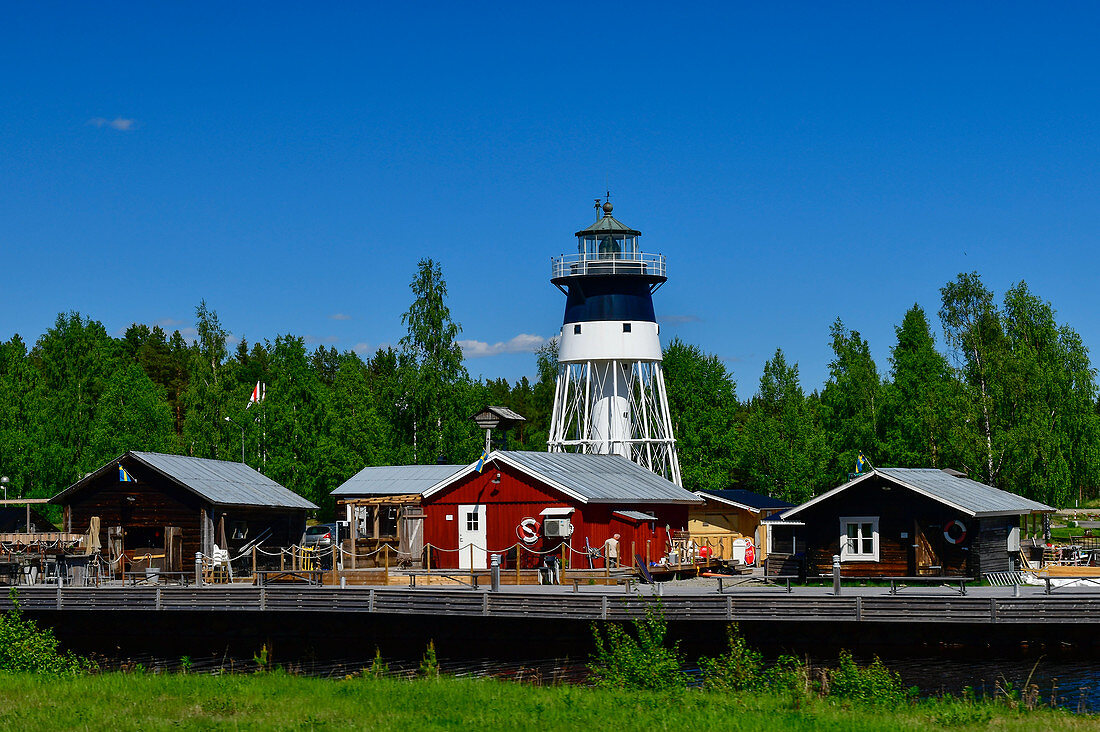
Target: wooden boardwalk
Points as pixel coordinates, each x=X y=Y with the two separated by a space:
x=583 y=606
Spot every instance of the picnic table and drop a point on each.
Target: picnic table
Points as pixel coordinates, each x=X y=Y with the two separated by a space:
x=271 y=576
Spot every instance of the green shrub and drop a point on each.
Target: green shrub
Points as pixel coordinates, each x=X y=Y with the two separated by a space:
x=788 y=675
x=739 y=668
x=26 y=647
x=429 y=664
x=873 y=684
x=623 y=661
x=378 y=667
x=262 y=660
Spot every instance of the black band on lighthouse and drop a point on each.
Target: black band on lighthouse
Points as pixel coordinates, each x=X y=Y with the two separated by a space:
x=609 y=298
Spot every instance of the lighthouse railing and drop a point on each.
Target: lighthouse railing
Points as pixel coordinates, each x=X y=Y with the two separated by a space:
x=576 y=265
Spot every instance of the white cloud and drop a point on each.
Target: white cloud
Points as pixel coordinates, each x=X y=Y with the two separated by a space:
x=118 y=123
x=361 y=347
x=168 y=322
x=323 y=339
x=523 y=343
x=189 y=332
x=339 y=316
x=677 y=319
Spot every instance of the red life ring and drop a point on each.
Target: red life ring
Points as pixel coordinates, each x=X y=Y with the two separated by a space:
x=528 y=530
x=954 y=532
x=750 y=553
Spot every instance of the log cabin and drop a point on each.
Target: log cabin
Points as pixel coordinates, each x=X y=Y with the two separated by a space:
x=141 y=498
x=902 y=522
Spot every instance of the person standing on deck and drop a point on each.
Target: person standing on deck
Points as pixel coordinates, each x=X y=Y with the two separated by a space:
x=611 y=551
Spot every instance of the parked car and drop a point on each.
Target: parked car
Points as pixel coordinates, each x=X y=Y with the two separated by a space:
x=321 y=536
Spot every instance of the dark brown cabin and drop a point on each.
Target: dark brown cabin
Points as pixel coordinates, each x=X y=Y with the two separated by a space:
x=899 y=522
x=205 y=502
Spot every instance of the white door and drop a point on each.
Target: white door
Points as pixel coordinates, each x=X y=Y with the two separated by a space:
x=471 y=532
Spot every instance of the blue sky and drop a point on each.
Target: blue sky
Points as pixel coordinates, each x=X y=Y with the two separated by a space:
x=290 y=163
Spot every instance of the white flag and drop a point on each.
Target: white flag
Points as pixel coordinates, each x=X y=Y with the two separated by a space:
x=258 y=394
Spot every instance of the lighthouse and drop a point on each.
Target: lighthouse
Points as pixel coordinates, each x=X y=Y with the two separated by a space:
x=610 y=395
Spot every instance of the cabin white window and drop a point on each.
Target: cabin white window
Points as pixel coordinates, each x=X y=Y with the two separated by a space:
x=859 y=539
x=471 y=521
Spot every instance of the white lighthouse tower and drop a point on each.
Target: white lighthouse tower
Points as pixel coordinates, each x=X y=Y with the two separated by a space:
x=610 y=395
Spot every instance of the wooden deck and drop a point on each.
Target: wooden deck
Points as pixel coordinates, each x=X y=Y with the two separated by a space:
x=602 y=605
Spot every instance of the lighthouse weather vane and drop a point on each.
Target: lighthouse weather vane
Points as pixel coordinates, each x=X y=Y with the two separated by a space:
x=610 y=395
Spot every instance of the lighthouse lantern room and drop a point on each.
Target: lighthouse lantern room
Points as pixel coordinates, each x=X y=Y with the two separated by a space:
x=610 y=396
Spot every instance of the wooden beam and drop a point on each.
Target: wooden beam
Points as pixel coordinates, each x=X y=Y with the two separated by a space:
x=402 y=500
x=23 y=501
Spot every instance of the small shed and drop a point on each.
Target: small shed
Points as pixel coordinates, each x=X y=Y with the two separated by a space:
x=731 y=514
x=141 y=498
x=546 y=501
x=382 y=505
x=904 y=522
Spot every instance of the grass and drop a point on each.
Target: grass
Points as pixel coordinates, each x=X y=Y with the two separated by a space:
x=279 y=701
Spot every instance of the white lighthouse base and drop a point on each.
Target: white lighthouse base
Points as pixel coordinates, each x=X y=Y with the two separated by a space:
x=615 y=407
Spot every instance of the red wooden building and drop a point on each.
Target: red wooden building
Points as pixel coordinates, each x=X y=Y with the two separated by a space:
x=543 y=500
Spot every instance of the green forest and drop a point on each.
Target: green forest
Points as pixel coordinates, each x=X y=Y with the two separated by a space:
x=1008 y=398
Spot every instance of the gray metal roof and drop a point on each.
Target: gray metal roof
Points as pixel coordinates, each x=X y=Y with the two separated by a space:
x=600 y=478
x=960 y=492
x=968 y=494
x=217 y=481
x=394 y=480
x=222 y=482
x=608 y=225
x=635 y=515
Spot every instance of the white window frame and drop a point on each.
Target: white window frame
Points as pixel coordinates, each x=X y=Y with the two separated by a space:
x=847 y=556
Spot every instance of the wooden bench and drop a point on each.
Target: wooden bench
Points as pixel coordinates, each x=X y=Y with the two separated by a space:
x=136 y=578
x=740 y=580
x=895 y=581
x=457 y=576
x=1092 y=578
x=267 y=576
x=627 y=580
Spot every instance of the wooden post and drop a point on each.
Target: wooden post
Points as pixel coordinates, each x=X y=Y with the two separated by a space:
x=471 y=558
x=253 y=561
x=563 y=558
x=386 y=552
x=335 y=564
x=428 y=551
x=647 y=552
x=518 y=562
x=632 y=553
x=354 y=542
x=282 y=560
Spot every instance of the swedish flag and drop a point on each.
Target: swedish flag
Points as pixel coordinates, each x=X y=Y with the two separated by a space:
x=124 y=477
x=862 y=463
x=481 y=460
